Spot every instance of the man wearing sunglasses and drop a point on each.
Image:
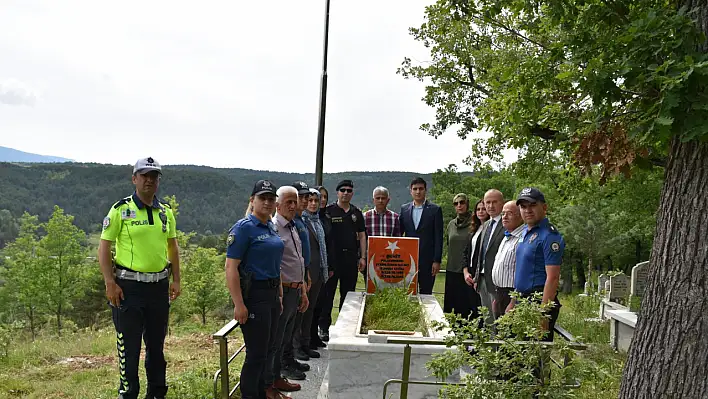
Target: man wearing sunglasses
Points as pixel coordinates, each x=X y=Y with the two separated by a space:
x=349 y=250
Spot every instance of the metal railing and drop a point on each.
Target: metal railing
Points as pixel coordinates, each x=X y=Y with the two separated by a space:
x=224 y=360
x=407 y=351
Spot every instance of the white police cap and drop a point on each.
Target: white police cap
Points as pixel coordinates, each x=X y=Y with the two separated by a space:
x=145 y=165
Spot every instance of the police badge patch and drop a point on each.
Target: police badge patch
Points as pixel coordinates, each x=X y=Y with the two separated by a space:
x=354 y=218
x=533 y=237
x=555 y=247
x=230 y=239
x=106 y=222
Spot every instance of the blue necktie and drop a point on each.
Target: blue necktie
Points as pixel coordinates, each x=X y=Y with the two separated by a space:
x=507 y=234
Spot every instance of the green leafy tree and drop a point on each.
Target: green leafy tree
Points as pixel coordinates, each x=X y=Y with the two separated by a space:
x=9 y=227
x=23 y=268
x=610 y=85
x=63 y=263
x=204 y=286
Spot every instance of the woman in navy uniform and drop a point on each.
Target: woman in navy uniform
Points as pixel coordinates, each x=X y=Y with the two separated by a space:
x=253 y=255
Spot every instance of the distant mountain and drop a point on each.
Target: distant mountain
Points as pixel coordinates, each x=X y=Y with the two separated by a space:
x=13 y=155
x=211 y=199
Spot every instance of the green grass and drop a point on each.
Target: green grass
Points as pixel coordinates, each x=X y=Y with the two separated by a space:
x=35 y=369
x=39 y=369
x=603 y=365
x=392 y=310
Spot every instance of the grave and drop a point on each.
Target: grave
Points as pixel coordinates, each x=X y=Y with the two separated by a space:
x=622 y=319
x=640 y=275
x=601 y=283
x=360 y=364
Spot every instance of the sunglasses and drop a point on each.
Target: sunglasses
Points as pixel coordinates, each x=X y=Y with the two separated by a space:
x=459 y=203
x=346 y=190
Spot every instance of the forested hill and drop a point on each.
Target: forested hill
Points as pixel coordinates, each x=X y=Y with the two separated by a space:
x=210 y=199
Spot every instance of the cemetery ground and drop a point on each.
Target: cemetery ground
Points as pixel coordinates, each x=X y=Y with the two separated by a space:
x=83 y=364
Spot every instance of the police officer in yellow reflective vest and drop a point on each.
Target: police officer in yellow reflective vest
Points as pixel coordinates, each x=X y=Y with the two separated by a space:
x=137 y=282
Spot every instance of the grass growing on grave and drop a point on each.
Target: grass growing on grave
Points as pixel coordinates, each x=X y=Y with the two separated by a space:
x=393 y=310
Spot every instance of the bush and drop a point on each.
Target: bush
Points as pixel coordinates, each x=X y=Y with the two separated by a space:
x=511 y=368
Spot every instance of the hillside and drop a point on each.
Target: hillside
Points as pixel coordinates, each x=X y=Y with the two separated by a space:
x=210 y=199
x=12 y=155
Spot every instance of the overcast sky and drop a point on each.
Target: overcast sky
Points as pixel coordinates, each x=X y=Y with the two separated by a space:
x=224 y=84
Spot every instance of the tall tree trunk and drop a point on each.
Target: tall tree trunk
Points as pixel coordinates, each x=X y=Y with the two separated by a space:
x=204 y=316
x=31 y=320
x=580 y=271
x=638 y=251
x=668 y=357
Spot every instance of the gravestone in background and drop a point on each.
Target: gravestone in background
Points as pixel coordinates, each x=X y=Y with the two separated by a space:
x=601 y=283
x=619 y=288
x=640 y=274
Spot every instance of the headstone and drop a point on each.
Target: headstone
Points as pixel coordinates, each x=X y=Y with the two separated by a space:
x=640 y=274
x=392 y=262
x=587 y=288
x=619 y=287
x=607 y=289
x=601 y=283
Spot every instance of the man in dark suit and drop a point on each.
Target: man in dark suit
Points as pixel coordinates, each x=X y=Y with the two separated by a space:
x=422 y=219
x=488 y=245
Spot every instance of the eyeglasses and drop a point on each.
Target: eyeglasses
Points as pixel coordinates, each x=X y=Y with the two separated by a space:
x=456 y=203
x=346 y=190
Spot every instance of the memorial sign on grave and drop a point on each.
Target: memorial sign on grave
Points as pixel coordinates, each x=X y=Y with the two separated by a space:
x=619 y=287
x=392 y=262
x=640 y=274
x=601 y=283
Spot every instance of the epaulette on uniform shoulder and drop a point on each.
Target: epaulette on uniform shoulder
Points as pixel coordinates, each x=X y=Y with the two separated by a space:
x=165 y=203
x=552 y=228
x=123 y=201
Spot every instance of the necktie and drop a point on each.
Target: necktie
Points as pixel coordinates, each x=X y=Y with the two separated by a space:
x=485 y=239
x=507 y=234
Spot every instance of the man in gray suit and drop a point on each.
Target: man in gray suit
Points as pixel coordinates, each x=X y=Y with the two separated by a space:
x=489 y=241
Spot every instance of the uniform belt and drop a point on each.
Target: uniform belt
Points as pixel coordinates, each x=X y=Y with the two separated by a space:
x=291 y=285
x=125 y=274
x=270 y=283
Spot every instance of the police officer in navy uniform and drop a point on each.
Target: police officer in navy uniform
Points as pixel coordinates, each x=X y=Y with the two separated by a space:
x=539 y=255
x=137 y=283
x=253 y=255
x=348 y=250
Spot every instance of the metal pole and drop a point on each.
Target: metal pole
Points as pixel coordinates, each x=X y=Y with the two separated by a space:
x=323 y=102
x=406 y=371
x=224 y=362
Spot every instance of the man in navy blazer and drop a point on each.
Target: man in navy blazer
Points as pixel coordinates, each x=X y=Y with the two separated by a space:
x=422 y=219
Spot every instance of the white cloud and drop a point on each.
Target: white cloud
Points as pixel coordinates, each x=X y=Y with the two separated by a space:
x=14 y=92
x=220 y=83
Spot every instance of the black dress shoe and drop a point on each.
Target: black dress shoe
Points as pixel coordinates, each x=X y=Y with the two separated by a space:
x=324 y=335
x=316 y=342
x=311 y=353
x=292 y=373
x=294 y=364
x=301 y=354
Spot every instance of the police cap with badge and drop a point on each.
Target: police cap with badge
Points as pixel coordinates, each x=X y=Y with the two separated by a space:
x=145 y=165
x=302 y=188
x=532 y=195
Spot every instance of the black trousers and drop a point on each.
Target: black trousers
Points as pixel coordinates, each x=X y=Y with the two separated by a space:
x=460 y=298
x=142 y=316
x=302 y=335
x=263 y=306
x=284 y=333
x=426 y=280
x=553 y=314
x=346 y=275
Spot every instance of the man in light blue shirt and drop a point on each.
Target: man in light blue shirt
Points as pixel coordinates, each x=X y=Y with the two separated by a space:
x=422 y=219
